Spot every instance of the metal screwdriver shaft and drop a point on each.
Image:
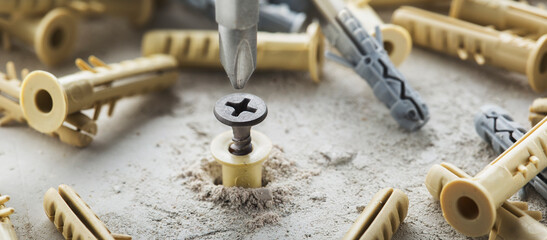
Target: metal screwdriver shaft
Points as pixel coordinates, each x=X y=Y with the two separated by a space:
x=237 y=27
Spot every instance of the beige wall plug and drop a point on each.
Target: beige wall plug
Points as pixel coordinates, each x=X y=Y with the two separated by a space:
x=75 y=131
x=275 y=51
x=7 y=231
x=470 y=204
x=74 y=218
x=381 y=217
x=397 y=41
x=50 y=26
x=398 y=3
x=484 y=45
x=513 y=220
x=138 y=12
x=538 y=111
x=241 y=171
x=52 y=37
x=517 y=17
x=48 y=102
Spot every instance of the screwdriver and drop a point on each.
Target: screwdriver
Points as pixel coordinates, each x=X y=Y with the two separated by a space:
x=237 y=27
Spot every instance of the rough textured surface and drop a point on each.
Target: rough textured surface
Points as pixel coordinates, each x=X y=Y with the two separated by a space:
x=336 y=131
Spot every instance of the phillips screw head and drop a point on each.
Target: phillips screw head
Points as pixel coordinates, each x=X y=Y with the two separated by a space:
x=241 y=111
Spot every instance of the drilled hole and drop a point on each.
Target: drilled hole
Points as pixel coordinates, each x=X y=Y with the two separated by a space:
x=388 y=46
x=56 y=38
x=543 y=64
x=218 y=180
x=468 y=208
x=43 y=101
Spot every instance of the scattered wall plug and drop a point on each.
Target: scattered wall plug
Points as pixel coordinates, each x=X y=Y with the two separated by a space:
x=241 y=151
x=463 y=199
x=36 y=8
x=421 y=3
x=496 y=127
x=516 y=17
x=275 y=51
x=271 y=18
x=53 y=36
x=138 y=12
x=397 y=41
x=72 y=132
x=50 y=26
x=538 y=111
x=516 y=222
x=10 y=89
x=485 y=45
x=48 y=102
x=513 y=220
x=74 y=218
x=381 y=217
x=368 y=58
x=7 y=231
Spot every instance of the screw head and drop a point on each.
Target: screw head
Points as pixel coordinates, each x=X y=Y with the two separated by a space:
x=240 y=110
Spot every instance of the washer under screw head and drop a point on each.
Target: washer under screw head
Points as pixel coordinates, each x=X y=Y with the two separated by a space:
x=241 y=111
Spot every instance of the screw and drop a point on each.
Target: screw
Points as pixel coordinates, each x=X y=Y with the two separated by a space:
x=241 y=111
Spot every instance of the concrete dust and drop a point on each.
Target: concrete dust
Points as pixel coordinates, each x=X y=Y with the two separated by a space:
x=263 y=219
x=282 y=179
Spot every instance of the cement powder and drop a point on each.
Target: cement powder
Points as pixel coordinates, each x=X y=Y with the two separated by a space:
x=281 y=179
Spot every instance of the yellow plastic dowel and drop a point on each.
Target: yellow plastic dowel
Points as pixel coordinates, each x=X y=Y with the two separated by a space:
x=275 y=51
x=381 y=217
x=482 y=44
x=518 y=17
x=513 y=220
x=74 y=218
x=397 y=41
x=47 y=101
x=7 y=231
x=241 y=171
x=470 y=204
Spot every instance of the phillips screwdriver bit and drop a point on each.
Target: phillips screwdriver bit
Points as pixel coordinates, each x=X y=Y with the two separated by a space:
x=271 y=18
x=237 y=27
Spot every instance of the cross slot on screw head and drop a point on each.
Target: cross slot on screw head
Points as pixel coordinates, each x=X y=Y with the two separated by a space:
x=241 y=111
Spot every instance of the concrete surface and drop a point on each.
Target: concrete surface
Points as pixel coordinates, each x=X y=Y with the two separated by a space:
x=130 y=175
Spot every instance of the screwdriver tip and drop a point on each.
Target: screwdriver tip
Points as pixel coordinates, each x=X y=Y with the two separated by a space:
x=238 y=54
x=244 y=67
x=242 y=64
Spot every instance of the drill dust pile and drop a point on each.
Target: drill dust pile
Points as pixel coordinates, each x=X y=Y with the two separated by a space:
x=281 y=180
